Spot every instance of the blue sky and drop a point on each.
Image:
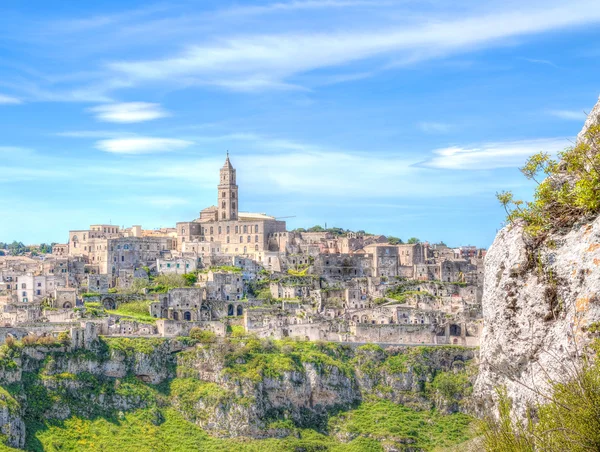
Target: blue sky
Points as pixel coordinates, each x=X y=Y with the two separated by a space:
x=397 y=117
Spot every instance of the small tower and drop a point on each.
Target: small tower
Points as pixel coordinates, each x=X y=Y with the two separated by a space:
x=227 y=192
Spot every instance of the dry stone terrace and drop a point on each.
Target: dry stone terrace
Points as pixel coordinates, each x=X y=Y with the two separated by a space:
x=237 y=270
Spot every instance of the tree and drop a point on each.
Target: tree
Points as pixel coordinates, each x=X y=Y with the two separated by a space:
x=190 y=279
x=16 y=248
x=413 y=240
x=394 y=240
x=170 y=281
x=316 y=228
x=45 y=248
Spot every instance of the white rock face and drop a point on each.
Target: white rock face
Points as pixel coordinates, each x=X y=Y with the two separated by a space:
x=536 y=308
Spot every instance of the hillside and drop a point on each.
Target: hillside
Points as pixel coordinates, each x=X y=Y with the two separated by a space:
x=239 y=393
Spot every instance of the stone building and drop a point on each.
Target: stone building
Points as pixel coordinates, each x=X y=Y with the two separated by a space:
x=177 y=265
x=238 y=233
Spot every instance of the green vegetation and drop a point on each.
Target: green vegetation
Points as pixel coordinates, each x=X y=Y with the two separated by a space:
x=190 y=279
x=152 y=429
x=165 y=417
x=403 y=292
x=135 y=310
x=389 y=422
x=568 y=421
x=413 y=240
x=236 y=330
x=130 y=346
x=452 y=386
x=226 y=268
x=202 y=336
x=569 y=192
x=394 y=240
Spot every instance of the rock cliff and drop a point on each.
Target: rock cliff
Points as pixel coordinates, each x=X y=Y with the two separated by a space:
x=538 y=304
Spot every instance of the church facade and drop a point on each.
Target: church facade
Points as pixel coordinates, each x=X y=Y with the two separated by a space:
x=224 y=227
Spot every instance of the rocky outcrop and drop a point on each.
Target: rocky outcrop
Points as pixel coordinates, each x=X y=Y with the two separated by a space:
x=247 y=405
x=538 y=304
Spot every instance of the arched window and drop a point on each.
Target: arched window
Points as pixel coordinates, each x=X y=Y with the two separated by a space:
x=233 y=195
x=175 y=315
x=230 y=309
x=187 y=315
x=245 y=250
x=245 y=229
x=241 y=239
x=223 y=204
x=227 y=229
x=256 y=238
x=255 y=247
x=223 y=195
x=237 y=229
x=222 y=216
x=240 y=310
x=249 y=239
x=219 y=229
x=227 y=239
x=256 y=228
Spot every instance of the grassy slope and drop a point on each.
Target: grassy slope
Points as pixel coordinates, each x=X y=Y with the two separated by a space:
x=138 y=431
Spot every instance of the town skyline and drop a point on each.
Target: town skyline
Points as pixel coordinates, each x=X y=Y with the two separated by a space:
x=361 y=115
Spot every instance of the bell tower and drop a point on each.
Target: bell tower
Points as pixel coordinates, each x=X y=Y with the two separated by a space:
x=227 y=192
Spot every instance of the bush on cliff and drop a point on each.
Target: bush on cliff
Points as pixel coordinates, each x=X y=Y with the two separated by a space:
x=569 y=421
x=569 y=192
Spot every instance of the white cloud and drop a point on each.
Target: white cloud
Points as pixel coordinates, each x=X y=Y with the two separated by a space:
x=129 y=112
x=493 y=155
x=435 y=127
x=268 y=60
x=572 y=115
x=9 y=100
x=141 y=145
x=93 y=134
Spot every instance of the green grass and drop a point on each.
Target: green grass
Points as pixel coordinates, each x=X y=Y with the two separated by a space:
x=166 y=430
x=130 y=346
x=388 y=421
x=135 y=310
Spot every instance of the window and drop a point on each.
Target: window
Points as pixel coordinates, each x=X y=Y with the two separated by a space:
x=39 y=292
x=256 y=238
x=223 y=204
x=233 y=205
x=249 y=239
x=23 y=286
x=122 y=258
x=256 y=229
x=219 y=229
x=227 y=229
x=241 y=239
x=223 y=195
x=211 y=230
x=24 y=294
x=227 y=239
x=245 y=229
x=236 y=229
x=39 y=284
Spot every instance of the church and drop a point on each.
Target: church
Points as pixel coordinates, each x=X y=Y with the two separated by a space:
x=224 y=227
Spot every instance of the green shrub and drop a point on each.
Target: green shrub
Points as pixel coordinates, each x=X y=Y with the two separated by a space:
x=569 y=421
x=202 y=336
x=569 y=192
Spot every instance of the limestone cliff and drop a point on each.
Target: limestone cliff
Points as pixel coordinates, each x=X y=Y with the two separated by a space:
x=538 y=302
x=315 y=383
